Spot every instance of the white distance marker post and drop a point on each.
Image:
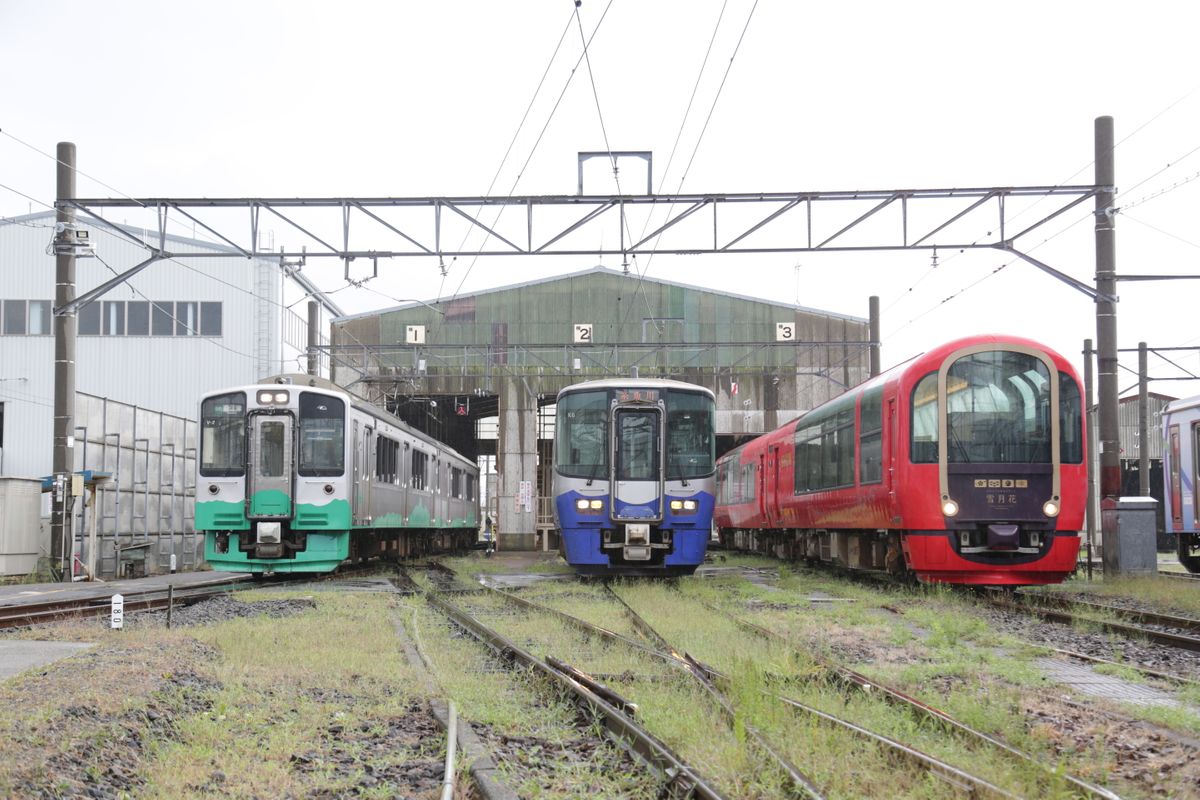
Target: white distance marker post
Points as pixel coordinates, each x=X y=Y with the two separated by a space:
x=118 y=611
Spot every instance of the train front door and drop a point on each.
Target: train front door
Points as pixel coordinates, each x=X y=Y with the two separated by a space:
x=637 y=463
x=269 y=495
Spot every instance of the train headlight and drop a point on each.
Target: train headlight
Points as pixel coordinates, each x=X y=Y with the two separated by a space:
x=949 y=507
x=581 y=504
x=1050 y=508
x=676 y=505
x=689 y=505
x=270 y=398
x=597 y=505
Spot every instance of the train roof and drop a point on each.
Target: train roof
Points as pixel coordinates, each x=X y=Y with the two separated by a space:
x=1182 y=404
x=635 y=383
x=935 y=355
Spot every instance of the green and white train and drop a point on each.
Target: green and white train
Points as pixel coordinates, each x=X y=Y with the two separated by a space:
x=297 y=475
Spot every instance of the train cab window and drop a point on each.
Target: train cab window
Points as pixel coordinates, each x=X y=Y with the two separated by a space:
x=691 y=446
x=223 y=435
x=581 y=440
x=322 y=435
x=637 y=445
x=998 y=409
x=870 y=436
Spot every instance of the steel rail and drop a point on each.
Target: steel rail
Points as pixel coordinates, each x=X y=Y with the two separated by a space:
x=1187 y=576
x=1132 y=631
x=157 y=598
x=679 y=778
x=1140 y=617
x=857 y=680
x=948 y=772
x=700 y=672
x=953 y=775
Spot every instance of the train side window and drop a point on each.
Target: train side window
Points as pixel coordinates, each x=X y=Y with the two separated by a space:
x=420 y=463
x=1070 y=423
x=924 y=424
x=870 y=458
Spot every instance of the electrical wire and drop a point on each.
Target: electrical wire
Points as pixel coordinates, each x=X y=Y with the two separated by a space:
x=904 y=295
x=600 y=113
x=644 y=271
x=533 y=149
x=512 y=142
x=1160 y=230
x=56 y=160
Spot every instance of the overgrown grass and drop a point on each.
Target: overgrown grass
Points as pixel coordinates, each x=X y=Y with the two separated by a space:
x=1165 y=594
x=491 y=695
x=286 y=684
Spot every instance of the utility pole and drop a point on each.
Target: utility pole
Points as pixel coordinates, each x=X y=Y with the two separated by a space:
x=1143 y=422
x=64 y=363
x=1089 y=417
x=1106 y=328
x=873 y=332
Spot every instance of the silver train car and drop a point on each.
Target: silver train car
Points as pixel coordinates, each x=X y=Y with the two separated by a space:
x=297 y=475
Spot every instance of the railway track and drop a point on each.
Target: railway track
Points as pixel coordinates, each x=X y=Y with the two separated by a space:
x=679 y=779
x=151 y=598
x=1183 y=576
x=960 y=779
x=1156 y=628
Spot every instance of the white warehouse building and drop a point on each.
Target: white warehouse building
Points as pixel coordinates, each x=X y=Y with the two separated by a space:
x=145 y=351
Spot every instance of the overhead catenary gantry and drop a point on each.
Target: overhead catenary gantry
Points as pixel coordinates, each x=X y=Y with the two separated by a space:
x=563 y=225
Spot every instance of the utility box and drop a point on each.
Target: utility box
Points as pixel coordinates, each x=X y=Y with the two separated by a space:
x=1130 y=526
x=20 y=524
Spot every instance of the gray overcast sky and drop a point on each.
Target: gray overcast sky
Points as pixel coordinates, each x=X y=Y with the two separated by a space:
x=306 y=99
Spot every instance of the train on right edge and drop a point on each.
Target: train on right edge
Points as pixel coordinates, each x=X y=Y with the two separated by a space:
x=1181 y=494
x=964 y=465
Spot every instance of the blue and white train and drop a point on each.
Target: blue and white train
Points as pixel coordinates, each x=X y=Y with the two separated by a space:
x=1181 y=432
x=634 y=476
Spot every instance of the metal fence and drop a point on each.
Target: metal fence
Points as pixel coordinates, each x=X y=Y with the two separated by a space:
x=143 y=514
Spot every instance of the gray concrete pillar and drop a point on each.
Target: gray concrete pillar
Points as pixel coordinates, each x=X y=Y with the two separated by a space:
x=516 y=463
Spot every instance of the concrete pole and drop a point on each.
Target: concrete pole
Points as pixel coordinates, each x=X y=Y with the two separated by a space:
x=1090 y=427
x=1143 y=423
x=1106 y=332
x=64 y=367
x=314 y=336
x=873 y=327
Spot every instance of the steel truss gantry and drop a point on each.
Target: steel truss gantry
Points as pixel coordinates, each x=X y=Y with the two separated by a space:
x=559 y=225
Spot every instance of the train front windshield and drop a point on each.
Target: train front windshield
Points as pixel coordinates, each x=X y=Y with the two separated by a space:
x=223 y=435
x=582 y=448
x=998 y=411
x=691 y=444
x=322 y=435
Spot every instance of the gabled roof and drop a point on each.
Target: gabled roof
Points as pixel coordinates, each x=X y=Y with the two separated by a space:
x=600 y=270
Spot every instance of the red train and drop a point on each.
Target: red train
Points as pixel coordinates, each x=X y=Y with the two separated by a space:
x=962 y=465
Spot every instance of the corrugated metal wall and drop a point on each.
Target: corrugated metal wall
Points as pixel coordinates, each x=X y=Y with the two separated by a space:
x=725 y=342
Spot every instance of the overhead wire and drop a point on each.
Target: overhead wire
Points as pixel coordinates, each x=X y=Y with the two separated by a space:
x=903 y=295
x=644 y=271
x=57 y=160
x=512 y=142
x=534 y=148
